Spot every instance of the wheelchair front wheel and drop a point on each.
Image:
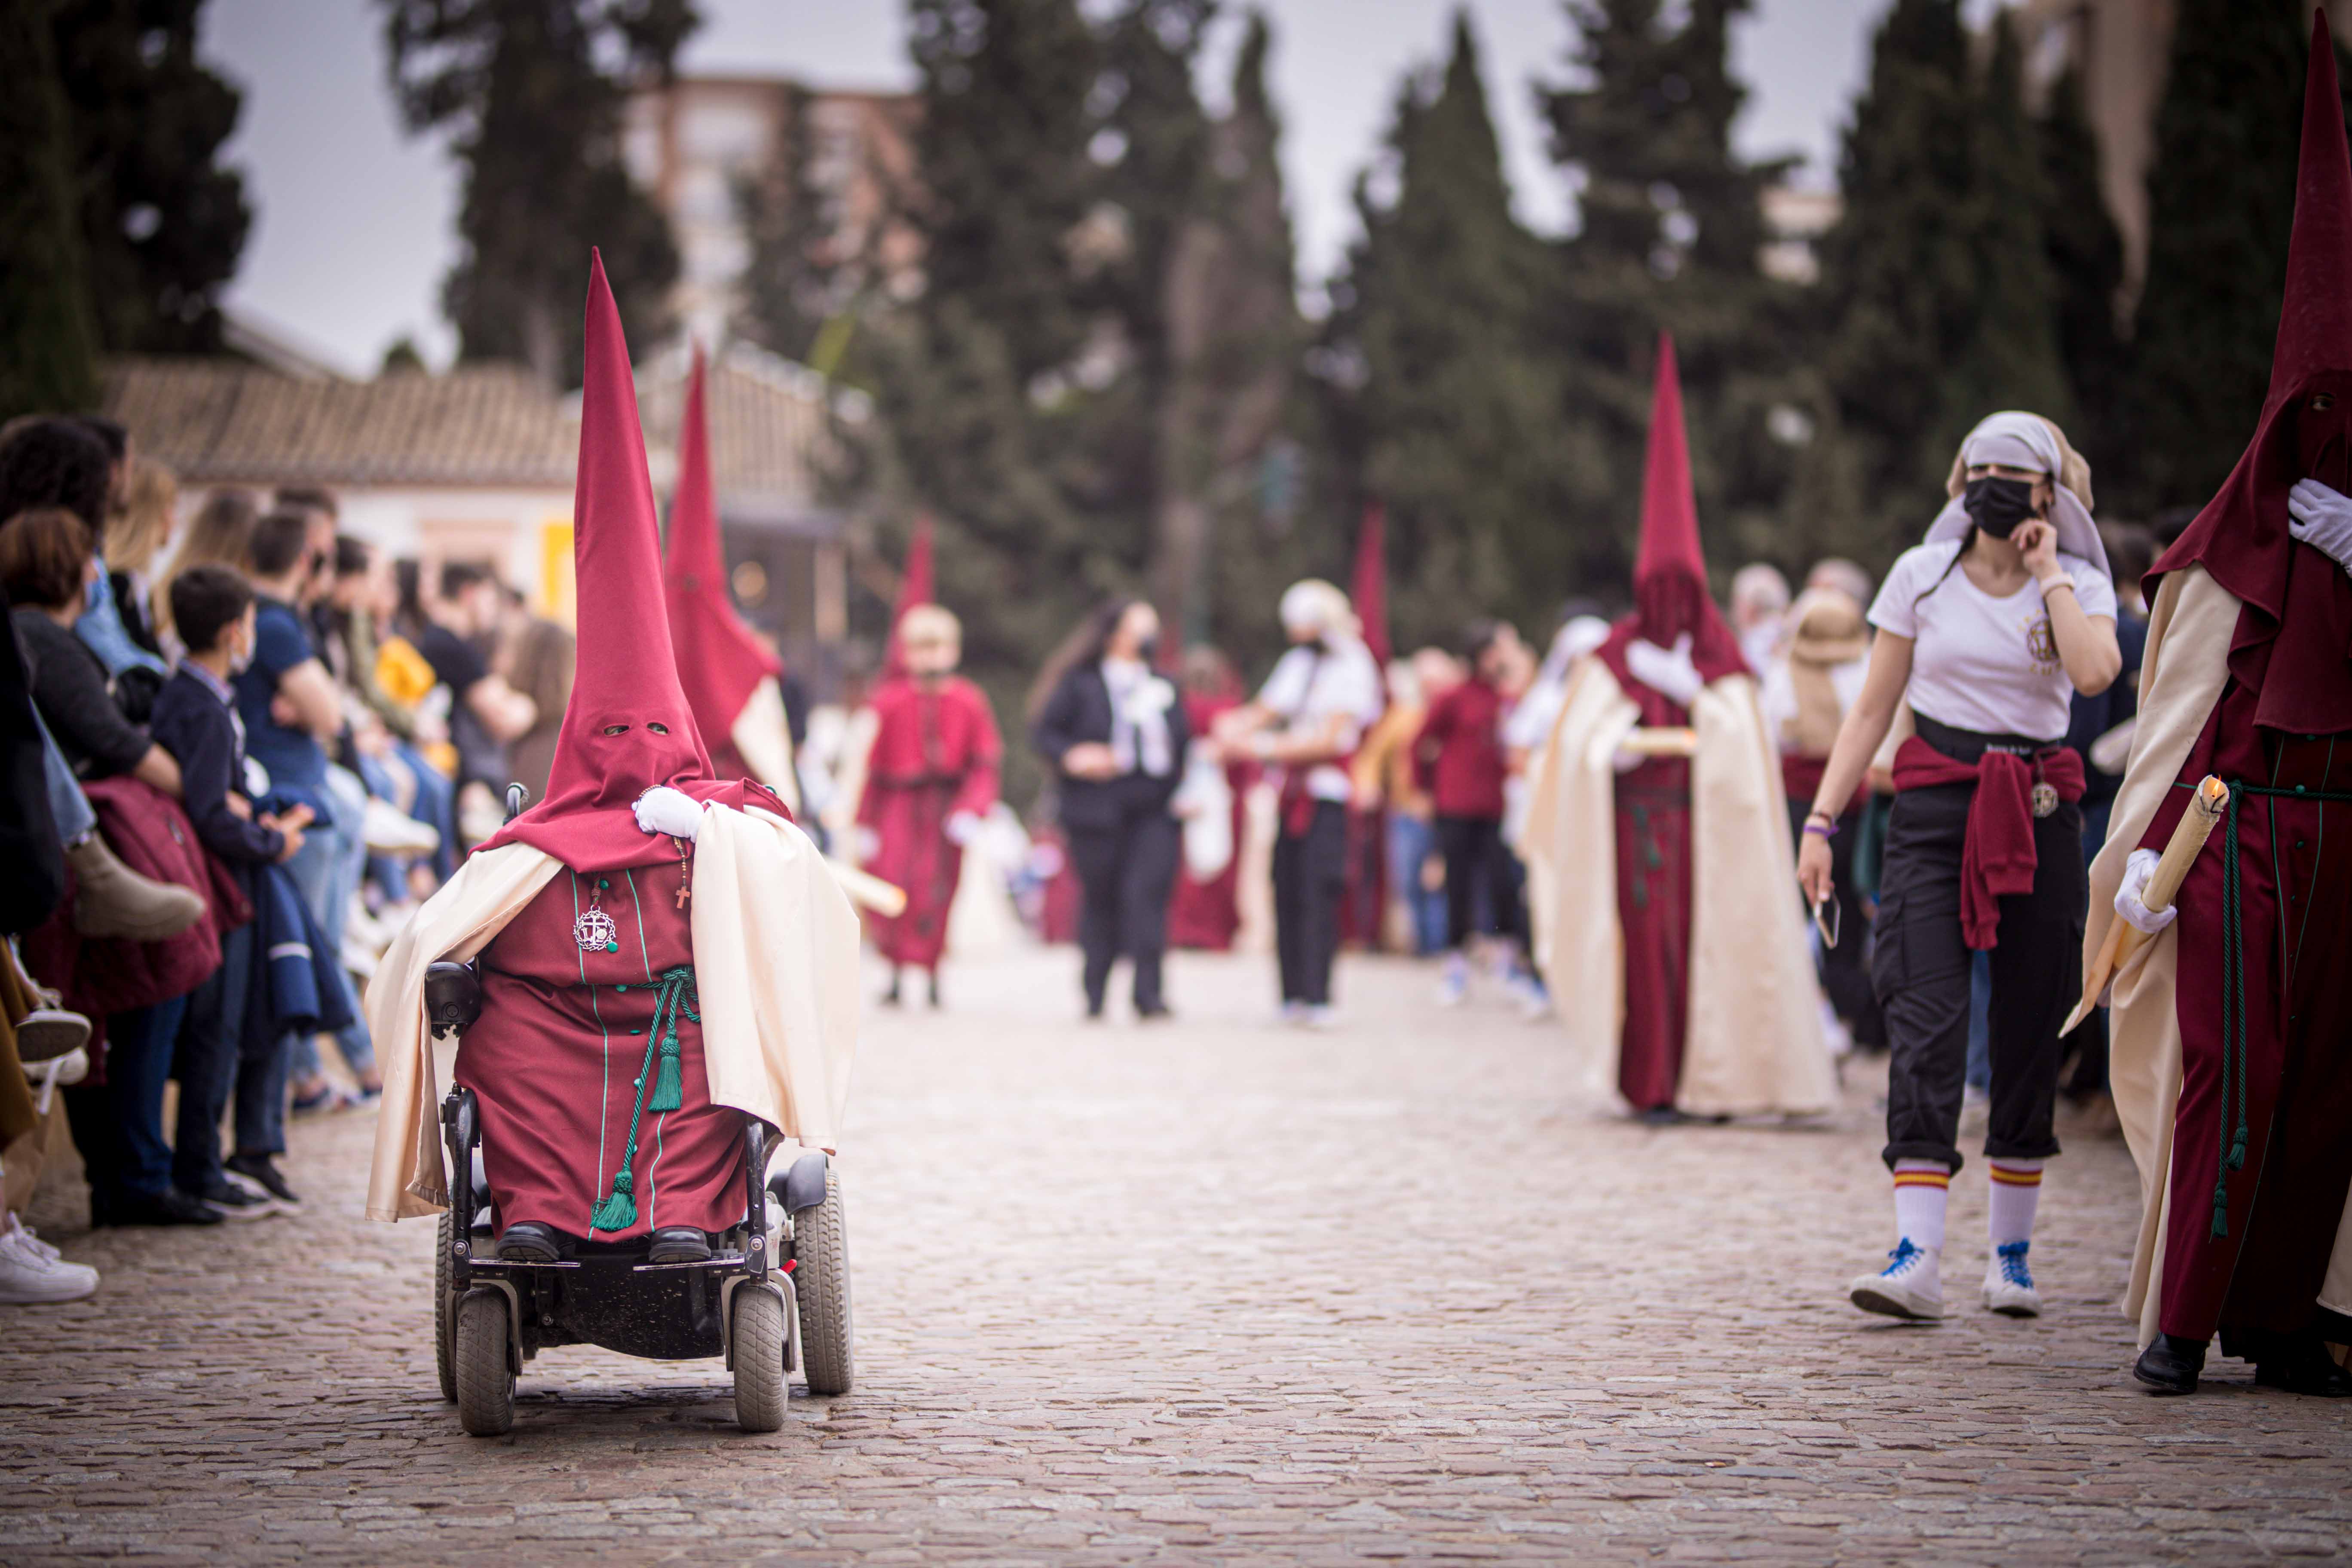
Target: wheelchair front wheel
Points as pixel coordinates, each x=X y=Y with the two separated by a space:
x=759 y=1350
x=486 y=1379
x=445 y=1313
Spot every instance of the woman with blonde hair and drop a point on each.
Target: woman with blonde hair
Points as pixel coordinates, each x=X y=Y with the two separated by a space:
x=217 y=536
x=134 y=539
x=1987 y=630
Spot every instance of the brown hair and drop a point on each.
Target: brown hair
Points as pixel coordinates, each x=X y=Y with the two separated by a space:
x=43 y=554
x=217 y=536
x=138 y=535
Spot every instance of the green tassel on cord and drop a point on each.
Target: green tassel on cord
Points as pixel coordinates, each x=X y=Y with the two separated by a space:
x=669 y=1084
x=2222 y=1208
x=618 y=1212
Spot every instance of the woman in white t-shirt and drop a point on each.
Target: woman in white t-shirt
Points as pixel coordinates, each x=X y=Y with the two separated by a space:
x=1987 y=630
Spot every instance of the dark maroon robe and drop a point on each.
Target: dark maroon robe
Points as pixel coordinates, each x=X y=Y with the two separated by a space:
x=554 y=1057
x=935 y=755
x=1654 y=911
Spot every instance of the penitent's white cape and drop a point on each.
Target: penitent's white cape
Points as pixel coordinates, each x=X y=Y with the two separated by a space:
x=2180 y=678
x=1754 y=1042
x=775 y=964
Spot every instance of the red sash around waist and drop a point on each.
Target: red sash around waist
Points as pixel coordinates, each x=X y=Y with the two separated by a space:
x=1998 y=856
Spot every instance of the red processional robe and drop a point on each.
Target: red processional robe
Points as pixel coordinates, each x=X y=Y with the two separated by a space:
x=1207 y=914
x=935 y=756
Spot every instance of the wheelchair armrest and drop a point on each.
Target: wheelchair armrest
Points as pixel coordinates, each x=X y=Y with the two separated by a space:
x=802 y=1187
x=453 y=997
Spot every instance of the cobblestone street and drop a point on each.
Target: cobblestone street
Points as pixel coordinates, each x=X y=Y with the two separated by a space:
x=1203 y=1292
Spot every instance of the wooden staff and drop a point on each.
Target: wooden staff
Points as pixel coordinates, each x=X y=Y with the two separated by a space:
x=866 y=889
x=1661 y=742
x=2124 y=938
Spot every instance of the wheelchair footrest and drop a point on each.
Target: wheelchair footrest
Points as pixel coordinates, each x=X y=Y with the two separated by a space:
x=716 y=1260
x=518 y=1263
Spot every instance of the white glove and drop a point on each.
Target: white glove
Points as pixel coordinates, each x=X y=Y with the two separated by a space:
x=2321 y=519
x=1669 y=672
x=963 y=828
x=864 y=844
x=2137 y=872
x=662 y=809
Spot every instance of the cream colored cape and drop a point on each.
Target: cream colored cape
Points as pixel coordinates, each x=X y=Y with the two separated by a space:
x=762 y=735
x=776 y=963
x=2180 y=680
x=1754 y=1040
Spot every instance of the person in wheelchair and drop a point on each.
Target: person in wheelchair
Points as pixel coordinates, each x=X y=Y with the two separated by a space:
x=659 y=953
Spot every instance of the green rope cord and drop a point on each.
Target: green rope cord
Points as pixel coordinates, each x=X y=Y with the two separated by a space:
x=2233 y=1136
x=678 y=997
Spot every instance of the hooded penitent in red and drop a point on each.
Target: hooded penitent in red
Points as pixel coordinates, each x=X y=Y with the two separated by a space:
x=572 y=985
x=719 y=663
x=1653 y=813
x=2260 y=1159
x=914 y=588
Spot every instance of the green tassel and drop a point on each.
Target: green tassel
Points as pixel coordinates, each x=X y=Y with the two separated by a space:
x=2220 y=1208
x=670 y=1085
x=2238 y=1151
x=618 y=1212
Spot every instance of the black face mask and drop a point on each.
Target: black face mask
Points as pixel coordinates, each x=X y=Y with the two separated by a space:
x=1998 y=505
x=1148 y=650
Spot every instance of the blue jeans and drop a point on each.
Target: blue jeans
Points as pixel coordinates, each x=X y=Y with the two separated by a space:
x=261 y=1097
x=1412 y=841
x=327 y=870
x=137 y=1061
x=66 y=803
x=206 y=1064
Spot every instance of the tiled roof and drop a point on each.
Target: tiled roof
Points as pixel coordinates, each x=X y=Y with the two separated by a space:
x=219 y=420
x=222 y=421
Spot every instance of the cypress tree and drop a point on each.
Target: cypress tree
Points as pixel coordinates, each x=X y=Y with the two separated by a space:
x=791 y=286
x=2085 y=252
x=163 y=223
x=2008 y=358
x=1902 y=270
x=2220 y=208
x=46 y=342
x=1457 y=417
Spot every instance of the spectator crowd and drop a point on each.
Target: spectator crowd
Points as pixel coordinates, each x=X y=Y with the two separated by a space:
x=240 y=748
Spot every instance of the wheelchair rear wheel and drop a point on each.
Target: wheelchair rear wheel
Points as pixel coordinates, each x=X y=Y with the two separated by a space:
x=821 y=1279
x=758 y=1349
x=486 y=1379
x=444 y=1313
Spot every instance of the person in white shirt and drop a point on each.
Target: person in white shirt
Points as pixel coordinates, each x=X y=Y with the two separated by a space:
x=1987 y=630
x=1305 y=723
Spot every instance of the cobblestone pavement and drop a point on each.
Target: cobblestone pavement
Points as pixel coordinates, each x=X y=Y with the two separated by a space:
x=1204 y=1292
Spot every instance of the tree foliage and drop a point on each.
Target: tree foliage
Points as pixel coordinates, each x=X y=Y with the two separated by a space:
x=2085 y=258
x=534 y=92
x=163 y=223
x=48 y=342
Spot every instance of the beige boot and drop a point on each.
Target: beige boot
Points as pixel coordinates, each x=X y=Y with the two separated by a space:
x=112 y=900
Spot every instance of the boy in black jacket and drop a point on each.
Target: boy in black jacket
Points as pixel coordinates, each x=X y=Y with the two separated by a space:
x=195 y=720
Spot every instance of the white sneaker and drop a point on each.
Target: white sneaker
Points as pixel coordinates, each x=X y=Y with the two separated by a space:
x=2008 y=1283
x=1294 y=1014
x=1454 y=984
x=1910 y=1286
x=1530 y=993
x=31 y=1271
x=1325 y=1016
x=392 y=831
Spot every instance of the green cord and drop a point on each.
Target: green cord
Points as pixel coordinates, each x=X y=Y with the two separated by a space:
x=678 y=997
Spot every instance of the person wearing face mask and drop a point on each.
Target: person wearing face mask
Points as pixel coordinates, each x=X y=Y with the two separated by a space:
x=2231 y=1033
x=1307 y=722
x=1986 y=630
x=1115 y=731
x=1657 y=844
x=660 y=952
x=930 y=782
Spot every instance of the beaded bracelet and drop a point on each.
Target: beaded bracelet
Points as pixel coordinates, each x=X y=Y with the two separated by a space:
x=1826 y=829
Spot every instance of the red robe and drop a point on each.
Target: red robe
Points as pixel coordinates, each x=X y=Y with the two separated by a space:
x=935 y=756
x=1207 y=914
x=2261 y=1276
x=554 y=1058
x=1654 y=893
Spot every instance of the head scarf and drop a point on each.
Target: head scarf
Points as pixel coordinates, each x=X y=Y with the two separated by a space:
x=2293 y=637
x=627 y=676
x=2020 y=440
x=1314 y=605
x=1670 y=592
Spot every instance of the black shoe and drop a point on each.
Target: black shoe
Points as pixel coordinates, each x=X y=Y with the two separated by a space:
x=1158 y=1011
x=2306 y=1368
x=233 y=1199
x=1660 y=1116
x=678 y=1244
x=935 y=991
x=2171 y=1365
x=170 y=1206
x=529 y=1241
x=262 y=1170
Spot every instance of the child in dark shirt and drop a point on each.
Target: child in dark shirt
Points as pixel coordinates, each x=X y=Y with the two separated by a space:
x=195 y=720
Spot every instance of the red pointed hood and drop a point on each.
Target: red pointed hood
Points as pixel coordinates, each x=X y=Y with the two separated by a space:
x=1670 y=592
x=1369 y=589
x=719 y=662
x=2294 y=634
x=610 y=751
x=914 y=588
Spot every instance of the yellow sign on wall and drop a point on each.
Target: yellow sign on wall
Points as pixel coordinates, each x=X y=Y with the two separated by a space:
x=558 y=594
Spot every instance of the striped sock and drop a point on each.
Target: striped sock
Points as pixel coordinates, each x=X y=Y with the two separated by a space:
x=2016 y=1190
x=1921 y=1189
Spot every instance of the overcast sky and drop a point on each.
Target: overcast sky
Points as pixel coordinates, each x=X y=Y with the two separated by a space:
x=353 y=222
